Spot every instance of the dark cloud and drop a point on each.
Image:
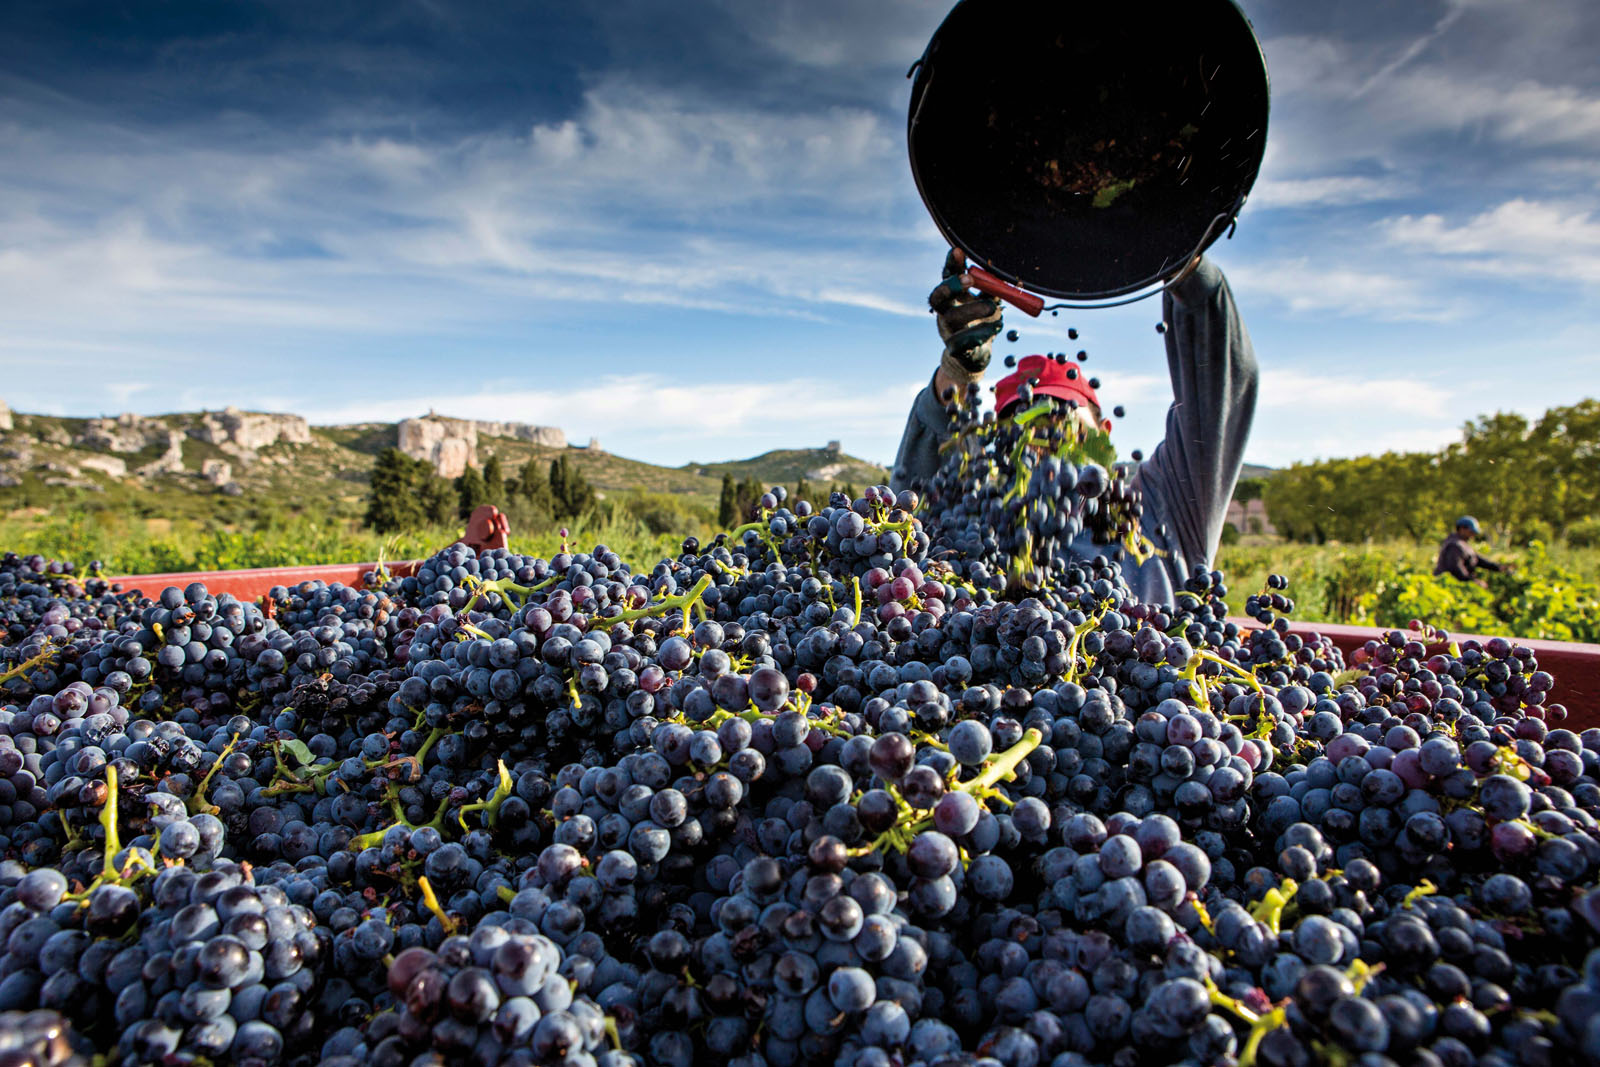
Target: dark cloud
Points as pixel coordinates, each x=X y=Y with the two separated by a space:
x=297 y=63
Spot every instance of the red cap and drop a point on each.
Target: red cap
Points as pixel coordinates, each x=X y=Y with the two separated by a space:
x=1067 y=381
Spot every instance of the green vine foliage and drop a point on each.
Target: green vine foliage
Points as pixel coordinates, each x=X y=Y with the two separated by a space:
x=1540 y=599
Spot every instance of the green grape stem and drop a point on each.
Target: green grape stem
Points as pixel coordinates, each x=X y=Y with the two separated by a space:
x=490 y=807
x=432 y=903
x=197 y=803
x=27 y=665
x=505 y=587
x=910 y=822
x=1005 y=765
x=1269 y=909
x=108 y=822
x=664 y=605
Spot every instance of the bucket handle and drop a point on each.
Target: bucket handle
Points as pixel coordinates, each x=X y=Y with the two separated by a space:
x=1031 y=305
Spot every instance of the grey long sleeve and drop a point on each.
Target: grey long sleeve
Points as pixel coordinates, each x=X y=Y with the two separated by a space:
x=927 y=427
x=1192 y=473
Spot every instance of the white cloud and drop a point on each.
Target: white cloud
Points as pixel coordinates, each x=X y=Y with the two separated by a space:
x=1523 y=238
x=1278 y=444
x=1526 y=112
x=122 y=392
x=1332 y=191
x=1412 y=50
x=1484 y=102
x=642 y=197
x=1311 y=287
x=1287 y=389
x=835 y=35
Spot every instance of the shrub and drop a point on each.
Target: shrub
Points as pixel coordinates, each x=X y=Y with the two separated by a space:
x=1354 y=583
x=664 y=513
x=1585 y=533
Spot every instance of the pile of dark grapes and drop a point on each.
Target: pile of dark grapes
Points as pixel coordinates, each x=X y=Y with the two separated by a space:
x=843 y=786
x=1033 y=497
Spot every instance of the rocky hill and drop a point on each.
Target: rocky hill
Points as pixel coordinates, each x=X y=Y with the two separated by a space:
x=279 y=461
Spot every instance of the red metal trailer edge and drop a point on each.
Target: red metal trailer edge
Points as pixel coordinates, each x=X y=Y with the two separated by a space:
x=1575 y=666
x=257 y=582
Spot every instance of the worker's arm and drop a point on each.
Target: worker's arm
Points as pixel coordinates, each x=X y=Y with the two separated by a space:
x=967 y=324
x=927 y=427
x=1485 y=563
x=1214 y=382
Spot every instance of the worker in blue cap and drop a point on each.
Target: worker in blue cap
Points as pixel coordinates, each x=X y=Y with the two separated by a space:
x=1459 y=559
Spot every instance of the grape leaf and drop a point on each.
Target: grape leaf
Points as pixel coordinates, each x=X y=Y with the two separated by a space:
x=299 y=750
x=1096 y=447
x=1108 y=194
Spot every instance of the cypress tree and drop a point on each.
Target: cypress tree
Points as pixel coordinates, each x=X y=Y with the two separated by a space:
x=558 y=486
x=533 y=485
x=748 y=494
x=391 y=504
x=579 y=494
x=494 y=482
x=728 y=503
x=472 y=491
x=436 y=497
x=407 y=494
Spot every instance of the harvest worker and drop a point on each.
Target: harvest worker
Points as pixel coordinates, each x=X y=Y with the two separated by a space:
x=1459 y=559
x=1189 y=478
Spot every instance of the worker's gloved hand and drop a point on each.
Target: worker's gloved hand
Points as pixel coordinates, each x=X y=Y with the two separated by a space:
x=968 y=322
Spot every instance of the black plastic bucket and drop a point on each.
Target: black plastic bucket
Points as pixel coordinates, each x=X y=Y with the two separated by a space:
x=1087 y=150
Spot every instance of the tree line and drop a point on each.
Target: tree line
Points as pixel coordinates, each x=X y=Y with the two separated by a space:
x=1522 y=479
x=407 y=494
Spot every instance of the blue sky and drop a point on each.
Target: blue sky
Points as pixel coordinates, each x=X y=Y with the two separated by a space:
x=690 y=229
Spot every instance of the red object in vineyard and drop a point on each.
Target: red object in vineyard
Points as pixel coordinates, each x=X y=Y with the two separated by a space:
x=487 y=528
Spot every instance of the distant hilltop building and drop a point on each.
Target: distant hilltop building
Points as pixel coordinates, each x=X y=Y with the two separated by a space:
x=1250 y=517
x=833 y=448
x=451 y=445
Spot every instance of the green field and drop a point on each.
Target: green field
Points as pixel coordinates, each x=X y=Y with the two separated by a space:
x=133 y=545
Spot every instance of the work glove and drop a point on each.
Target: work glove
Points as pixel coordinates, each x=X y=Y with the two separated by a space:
x=968 y=322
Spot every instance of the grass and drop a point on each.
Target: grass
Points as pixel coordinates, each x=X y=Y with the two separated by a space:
x=128 y=544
